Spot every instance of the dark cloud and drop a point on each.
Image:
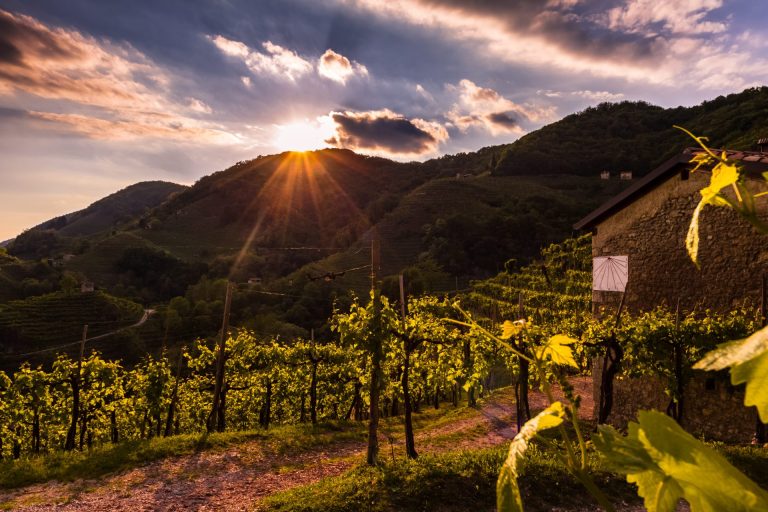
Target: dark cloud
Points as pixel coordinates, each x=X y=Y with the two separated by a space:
x=20 y=35
x=385 y=131
x=574 y=28
x=8 y=51
x=505 y=119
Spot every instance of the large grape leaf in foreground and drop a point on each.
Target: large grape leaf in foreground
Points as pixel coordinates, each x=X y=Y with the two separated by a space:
x=508 y=497
x=748 y=360
x=667 y=463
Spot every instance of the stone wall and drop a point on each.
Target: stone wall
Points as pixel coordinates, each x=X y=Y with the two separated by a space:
x=712 y=408
x=651 y=231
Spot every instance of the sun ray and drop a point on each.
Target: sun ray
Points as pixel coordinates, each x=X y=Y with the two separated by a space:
x=299 y=186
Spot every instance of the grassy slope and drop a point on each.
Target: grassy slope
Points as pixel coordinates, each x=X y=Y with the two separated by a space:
x=442 y=479
x=108 y=459
x=466 y=480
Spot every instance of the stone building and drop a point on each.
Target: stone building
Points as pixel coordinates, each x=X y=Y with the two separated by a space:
x=648 y=223
x=638 y=248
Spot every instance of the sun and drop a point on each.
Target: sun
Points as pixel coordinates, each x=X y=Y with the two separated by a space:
x=305 y=135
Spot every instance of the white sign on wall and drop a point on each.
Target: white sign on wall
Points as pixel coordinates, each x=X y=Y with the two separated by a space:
x=610 y=273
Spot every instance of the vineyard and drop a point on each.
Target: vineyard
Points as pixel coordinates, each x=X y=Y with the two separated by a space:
x=435 y=352
x=58 y=318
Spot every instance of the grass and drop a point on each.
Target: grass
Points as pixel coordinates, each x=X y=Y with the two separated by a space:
x=454 y=481
x=751 y=460
x=106 y=459
x=466 y=480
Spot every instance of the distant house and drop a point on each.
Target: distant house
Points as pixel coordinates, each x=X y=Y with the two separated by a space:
x=625 y=175
x=648 y=223
x=87 y=287
x=605 y=175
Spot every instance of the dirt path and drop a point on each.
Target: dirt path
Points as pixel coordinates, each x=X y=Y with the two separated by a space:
x=496 y=422
x=239 y=477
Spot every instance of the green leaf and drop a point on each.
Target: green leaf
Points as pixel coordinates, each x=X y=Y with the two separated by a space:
x=692 y=238
x=508 y=497
x=755 y=373
x=749 y=361
x=735 y=352
x=667 y=463
x=723 y=175
x=558 y=350
x=510 y=329
x=660 y=493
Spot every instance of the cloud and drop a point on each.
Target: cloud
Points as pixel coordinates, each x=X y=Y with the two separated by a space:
x=637 y=41
x=229 y=47
x=386 y=132
x=531 y=32
x=149 y=126
x=679 y=17
x=485 y=108
x=102 y=86
x=275 y=60
x=338 y=68
x=599 y=95
x=64 y=64
x=199 y=106
x=279 y=61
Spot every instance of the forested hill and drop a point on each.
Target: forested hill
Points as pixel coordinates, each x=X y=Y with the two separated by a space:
x=632 y=136
x=110 y=212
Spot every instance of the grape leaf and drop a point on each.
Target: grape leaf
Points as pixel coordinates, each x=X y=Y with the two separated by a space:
x=755 y=373
x=692 y=238
x=667 y=463
x=508 y=497
x=724 y=174
x=557 y=348
x=509 y=329
x=749 y=361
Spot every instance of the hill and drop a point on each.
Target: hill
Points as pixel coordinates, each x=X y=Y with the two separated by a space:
x=55 y=319
x=633 y=136
x=105 y=214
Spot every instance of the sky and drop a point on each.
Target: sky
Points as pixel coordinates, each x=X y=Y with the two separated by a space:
x=97 y=95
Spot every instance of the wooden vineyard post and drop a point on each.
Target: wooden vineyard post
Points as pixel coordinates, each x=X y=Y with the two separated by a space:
x=408 y=346
x=522 y=405
x=376 y=357
x=216 y=413
x=611 y=361
x=69 y=443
